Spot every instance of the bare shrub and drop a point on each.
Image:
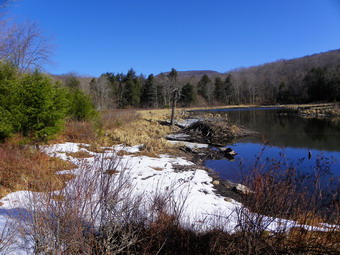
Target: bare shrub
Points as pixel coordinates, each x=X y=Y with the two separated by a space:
x=7 y=235
x=284 y=212
x=281 y=190
x=79 y=131
x=94 y=214
x=112 y=119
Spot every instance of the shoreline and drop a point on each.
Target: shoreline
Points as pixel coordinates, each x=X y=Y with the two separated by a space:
x=199 y=155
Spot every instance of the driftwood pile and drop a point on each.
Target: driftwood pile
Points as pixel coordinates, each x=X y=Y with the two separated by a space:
x=214 y=133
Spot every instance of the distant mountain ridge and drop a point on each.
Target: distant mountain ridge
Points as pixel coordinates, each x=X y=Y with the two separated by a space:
x=323 y=59
x=194 y=73
x=328 y=59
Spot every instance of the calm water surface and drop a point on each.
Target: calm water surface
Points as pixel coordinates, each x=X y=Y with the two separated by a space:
x=285 y=138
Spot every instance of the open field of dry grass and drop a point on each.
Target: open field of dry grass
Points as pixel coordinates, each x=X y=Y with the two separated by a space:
x=143 y=129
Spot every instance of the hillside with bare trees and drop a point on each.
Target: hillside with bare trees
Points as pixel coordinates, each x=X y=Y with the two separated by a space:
x=314 y=78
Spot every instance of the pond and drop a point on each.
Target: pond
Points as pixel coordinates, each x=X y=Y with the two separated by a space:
x=305 y=144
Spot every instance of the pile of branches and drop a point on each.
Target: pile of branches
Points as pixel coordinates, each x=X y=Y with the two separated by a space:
x=215 y=133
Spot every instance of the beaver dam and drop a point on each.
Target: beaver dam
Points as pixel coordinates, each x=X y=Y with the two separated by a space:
x=212 y=132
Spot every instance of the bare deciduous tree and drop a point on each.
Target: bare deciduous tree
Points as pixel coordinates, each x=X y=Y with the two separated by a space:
x=101 y=92
x=25 y=46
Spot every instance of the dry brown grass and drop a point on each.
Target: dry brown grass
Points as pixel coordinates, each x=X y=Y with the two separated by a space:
x=322 y=105
x=139 y=127
x=157 y=168
x=117 y=118
x=79 y=154
x=78 y=131
x=111 y=172
x=310 y=219
x=129 y=127
x=25 y=168
x=302 y=241
x=223 y=107
x=132 y=127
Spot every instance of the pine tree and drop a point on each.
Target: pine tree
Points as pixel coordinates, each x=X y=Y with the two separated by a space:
x=8 y=100
x=219 y=93
x=228 y=89
x=188 y=95
x=149 y=94
x=42 y=106
x=202 y=86
x=132 y=90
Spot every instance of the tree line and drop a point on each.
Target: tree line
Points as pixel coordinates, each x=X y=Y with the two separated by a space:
x=304 y=80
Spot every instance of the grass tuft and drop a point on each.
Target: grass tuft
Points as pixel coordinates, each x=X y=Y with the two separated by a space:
x=25 y=168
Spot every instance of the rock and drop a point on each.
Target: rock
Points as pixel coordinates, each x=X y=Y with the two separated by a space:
x=229 y=153
x=242 y=189
x=228 y=184
x=216 y=182
x=227 y=199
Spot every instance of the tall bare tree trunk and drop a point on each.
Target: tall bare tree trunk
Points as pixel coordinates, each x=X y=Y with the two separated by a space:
x=173 y=107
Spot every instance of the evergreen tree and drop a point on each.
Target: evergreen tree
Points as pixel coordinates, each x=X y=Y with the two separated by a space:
x=149 y=95
x=173 y=76
x=228 y=90
x=8 y=101
x=36 y=107
x=42 y=106
x=202 y=86
x=80 y=105
x=160 y=102
x=188 y=95
x=219 y=93
x=132 y=90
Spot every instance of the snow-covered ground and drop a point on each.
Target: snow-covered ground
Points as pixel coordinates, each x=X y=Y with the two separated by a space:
x=189 y=188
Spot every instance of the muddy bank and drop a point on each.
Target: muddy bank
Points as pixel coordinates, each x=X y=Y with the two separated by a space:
x=207 y=139
x=226 y=188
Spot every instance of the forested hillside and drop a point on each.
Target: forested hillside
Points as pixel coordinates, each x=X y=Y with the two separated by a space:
x=308 y=79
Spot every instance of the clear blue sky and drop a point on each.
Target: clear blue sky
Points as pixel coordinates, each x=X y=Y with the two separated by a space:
x=152 y=36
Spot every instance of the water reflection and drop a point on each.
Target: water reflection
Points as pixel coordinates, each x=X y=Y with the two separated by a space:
x=251 y=154
x=289 y=130
x=292 y=140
